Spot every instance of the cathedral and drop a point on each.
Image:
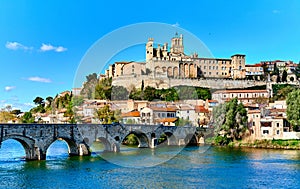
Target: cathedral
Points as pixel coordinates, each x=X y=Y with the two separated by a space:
x=162 y=61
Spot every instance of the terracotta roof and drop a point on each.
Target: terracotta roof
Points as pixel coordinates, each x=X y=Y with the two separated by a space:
x=131 y=114
x=253 y=111
x=254 y=65
x=277 y=110
x=212 y=101
x=201 y=109
x=240 y=91
x=164 y=109
x=167 y=119
x=185 y=107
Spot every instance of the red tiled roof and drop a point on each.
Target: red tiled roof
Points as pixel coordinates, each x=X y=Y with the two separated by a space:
x=212 y=101
x=240 y=91
x=253 y=111
x=277 y=110
x=131 y=114
x=168 y=119
x=163 y=109
x=201 y=109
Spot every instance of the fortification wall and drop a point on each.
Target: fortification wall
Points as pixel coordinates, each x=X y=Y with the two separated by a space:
x=165 y=82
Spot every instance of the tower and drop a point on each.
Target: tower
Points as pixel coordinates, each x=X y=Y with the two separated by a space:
x=177 y=44
x=149 y=49
x=238 y=66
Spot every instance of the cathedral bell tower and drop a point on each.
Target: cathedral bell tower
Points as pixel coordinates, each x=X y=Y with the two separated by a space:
x=149 y=49
x=177 y=44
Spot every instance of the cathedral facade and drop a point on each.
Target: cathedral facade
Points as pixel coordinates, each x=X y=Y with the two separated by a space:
x=162 y=61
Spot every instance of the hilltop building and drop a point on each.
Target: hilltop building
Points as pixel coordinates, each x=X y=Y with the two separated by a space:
x=174 y=63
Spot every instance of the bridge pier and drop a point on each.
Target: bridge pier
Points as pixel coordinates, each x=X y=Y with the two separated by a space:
x=83 y=150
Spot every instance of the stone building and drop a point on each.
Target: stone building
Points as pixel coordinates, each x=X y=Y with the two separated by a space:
x=174 y=63
x=244 y=96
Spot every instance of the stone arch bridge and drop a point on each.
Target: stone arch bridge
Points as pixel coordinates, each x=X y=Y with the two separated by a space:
x=36 y=138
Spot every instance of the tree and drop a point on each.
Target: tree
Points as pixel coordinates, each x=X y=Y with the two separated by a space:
x=280 y=92
x=142 y=87
x=297 y=70
x=39 y=101
x=49 y=100
x=119 y=93
x=106 y=115
x=77 y=100
x=89 y=86
x=293 y=108
x=284 y=76
x=27 y=118
x=234 y=124
x=103 y=89
x=182 y=122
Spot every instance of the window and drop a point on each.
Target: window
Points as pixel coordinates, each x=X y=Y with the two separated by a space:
x=217 y=73
x=253 y=123
x=209 y=67
x=265 y=131
x=277 y=132
x=209 y=73
x=277 y=124
x=204 y=67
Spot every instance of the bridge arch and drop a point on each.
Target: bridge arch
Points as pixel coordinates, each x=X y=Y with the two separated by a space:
x=191 y=139
x=73 y=147
x=142 y=138
x=167 y=138
x=31 y=151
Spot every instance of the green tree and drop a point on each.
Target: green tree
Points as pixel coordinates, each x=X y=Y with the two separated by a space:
x=284 y=76
x=49 y=100
x=297 y=70
x=182 y=122
x=77 y=100
x=27 y=118
x=106 y=115
x=142 y=87
x=39 y=101
x=280 y=92
x=103 y=89
x=293 y=108
x=89 y=86
x=234 y=124
x=119 y=93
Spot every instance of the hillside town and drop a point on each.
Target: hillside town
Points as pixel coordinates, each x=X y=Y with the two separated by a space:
x=131 y=84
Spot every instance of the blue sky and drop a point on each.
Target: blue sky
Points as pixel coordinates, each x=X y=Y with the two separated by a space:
x=43 y=42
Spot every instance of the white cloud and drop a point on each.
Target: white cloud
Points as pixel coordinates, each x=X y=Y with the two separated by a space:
x=16 y=46
x=176 y=24
x=9 y=88
x=49 y=47
x=39 y=79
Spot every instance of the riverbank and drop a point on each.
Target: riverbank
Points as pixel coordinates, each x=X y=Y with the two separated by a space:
x=268 y=144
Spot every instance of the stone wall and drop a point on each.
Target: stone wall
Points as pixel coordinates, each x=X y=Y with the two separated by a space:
x=165 y=82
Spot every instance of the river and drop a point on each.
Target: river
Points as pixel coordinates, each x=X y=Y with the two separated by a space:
x=192 y=167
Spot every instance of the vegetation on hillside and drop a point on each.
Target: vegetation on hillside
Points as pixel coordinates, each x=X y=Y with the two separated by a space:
x=107 y=116
x=293 y=108
x=6 y=114
x=281 y=91
x=230 y=121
